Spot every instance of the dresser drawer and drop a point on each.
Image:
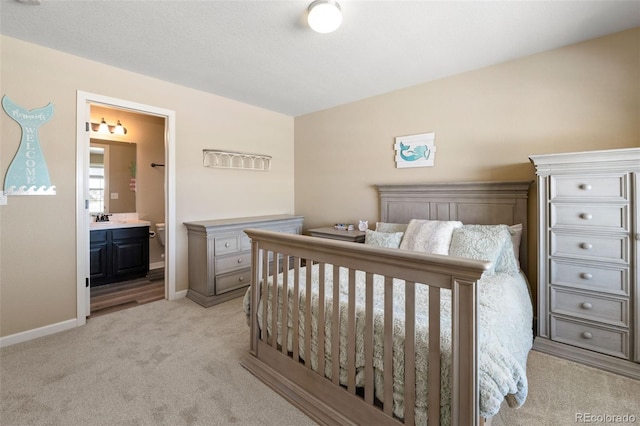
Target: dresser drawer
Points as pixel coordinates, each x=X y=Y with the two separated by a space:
x=233 y=281
x=607 y=217
x=586 y=276
x=614 y=248
x=607 y=186
x=606 y=340
x=590 y=307
x=225 y=245
x=232 y=262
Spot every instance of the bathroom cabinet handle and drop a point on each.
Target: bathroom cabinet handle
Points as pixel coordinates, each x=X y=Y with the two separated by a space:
x=586 y=305
x=587 y=335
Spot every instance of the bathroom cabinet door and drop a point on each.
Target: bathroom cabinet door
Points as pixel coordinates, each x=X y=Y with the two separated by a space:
x=98 y=255
x=118 y=255
x=130 y=252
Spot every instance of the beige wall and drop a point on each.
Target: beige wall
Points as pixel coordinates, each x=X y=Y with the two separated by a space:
x=37 y=233
x=487 y=122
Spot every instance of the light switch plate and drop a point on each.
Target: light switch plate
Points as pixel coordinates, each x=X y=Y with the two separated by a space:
x=114 y=195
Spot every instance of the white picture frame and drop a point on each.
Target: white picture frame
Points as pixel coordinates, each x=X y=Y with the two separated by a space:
x=415 y=150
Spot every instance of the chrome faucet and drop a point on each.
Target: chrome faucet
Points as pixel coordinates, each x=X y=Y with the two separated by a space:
x=101 y=217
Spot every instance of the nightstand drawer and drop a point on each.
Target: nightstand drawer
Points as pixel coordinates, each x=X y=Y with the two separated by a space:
x=613 y=248
x=607 y=217
x=586 y=276
x=575 y=187
x=232 y=262
x=232 y=281
x=590 y=307
x=600 y=339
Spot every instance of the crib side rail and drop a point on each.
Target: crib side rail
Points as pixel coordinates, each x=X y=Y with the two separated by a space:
x=272 y=249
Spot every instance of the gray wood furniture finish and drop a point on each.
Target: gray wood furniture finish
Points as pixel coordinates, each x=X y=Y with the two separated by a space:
x=588 y=254
x=336 y=234
x=220 y=255
x=324 y=399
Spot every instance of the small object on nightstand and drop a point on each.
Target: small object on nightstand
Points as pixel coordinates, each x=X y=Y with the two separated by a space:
x=336 y=234
x=343 y=227
x=363 y=225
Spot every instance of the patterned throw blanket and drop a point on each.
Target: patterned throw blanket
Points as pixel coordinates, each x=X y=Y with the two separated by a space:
x=504 y=337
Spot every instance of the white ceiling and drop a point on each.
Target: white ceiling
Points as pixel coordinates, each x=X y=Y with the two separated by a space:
x=262 y=53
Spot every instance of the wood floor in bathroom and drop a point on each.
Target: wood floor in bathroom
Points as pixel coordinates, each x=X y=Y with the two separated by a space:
x=114 y=297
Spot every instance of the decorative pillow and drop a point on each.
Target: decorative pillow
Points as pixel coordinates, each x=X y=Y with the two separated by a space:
x=516 y=236
x=383 y=239
x=390 y=227
x=485 y=242
x=429 y=236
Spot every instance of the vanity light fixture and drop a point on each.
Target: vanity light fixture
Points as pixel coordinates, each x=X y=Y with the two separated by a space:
x=105 y=129
x=324 y=16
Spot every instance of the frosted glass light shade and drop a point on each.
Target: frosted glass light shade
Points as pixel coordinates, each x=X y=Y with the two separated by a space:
x=119 y=129
x=104 y=128
x=324 y=16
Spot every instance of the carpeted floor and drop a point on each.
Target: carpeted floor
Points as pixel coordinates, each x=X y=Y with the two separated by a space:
x=177 y=363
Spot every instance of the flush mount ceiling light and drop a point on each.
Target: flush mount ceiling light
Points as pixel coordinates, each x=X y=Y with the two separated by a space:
x=325 y=16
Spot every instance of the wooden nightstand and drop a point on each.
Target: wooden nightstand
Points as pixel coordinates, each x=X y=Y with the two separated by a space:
x=335 y=234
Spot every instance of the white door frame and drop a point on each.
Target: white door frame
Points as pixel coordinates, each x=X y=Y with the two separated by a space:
x=83 y=108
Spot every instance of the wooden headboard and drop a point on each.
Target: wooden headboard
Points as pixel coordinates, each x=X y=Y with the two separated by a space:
x=482 y=203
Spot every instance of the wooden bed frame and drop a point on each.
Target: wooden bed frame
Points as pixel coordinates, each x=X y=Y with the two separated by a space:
x=325 y=400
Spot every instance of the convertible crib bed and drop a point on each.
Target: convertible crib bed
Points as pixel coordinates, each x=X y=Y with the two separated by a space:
x=361 y=334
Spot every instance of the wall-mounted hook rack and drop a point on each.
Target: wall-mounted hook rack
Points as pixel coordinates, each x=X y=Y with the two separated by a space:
x=236 y=160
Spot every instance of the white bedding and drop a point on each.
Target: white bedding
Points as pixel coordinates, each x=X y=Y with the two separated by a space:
x=504 y=337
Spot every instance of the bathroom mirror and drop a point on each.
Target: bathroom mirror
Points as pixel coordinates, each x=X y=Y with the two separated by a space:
x=112 y=177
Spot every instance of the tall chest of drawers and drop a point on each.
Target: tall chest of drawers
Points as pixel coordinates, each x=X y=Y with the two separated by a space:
x=588 y=255
x=220 y=255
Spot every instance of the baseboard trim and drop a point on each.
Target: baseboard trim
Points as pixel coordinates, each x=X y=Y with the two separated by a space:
x=156 y=265
x=180 y=294
x=37 y=332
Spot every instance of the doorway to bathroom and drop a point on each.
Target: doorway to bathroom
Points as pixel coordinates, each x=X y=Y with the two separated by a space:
x=146 y=193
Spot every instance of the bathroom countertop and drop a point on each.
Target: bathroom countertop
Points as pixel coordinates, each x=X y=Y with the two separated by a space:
x=116 y=224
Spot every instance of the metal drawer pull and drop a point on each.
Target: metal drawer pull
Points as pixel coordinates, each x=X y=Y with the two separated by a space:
x=586 y=276
x=587 y=335
x=227 y=244
x=586 y=246
x=241 y=279
x=585 y=186
x=586 y=305
x=586 y=216
x=239 y=260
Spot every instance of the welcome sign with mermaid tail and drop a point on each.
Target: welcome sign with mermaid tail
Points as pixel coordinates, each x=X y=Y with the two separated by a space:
x=28 y=173
x=415 y=150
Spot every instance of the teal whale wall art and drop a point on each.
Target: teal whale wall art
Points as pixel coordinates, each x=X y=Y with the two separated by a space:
x=28 y=173
x=415 y=150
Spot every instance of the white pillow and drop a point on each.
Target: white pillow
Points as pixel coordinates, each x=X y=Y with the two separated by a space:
x=485 y=242
x=429 y=236
x=383 y=239
x=516 y=237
